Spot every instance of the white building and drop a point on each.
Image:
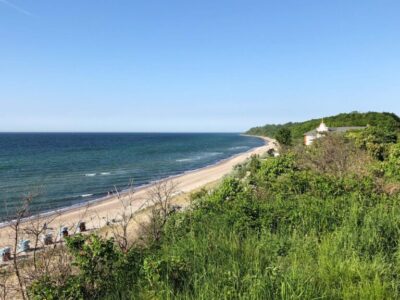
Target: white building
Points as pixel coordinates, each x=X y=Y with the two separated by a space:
x=323 y=130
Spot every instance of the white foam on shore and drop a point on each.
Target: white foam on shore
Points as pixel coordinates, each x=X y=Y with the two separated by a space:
x=238 y=147
x=86 y=195
x=185 y=159
x=198 y=157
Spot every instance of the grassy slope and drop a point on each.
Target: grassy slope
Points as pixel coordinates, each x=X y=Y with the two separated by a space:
x=344 y=119
x=274 y=229
x=281 y=233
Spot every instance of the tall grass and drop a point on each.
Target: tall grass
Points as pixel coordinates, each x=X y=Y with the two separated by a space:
x=290 y=245
x=274 y=231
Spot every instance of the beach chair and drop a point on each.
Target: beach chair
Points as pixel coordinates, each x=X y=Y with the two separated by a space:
x=175 y=208
x=47 y=238
x=63 y=232
x=81 y=226
x=5 y=254
x=23 y=246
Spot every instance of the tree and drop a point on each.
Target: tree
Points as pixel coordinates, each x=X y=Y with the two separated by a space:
x=125 y=217
x=159 y=199
x=15 y=226
x=334 y=155
x=96 y=261
x=284 y=136
x=376 y=140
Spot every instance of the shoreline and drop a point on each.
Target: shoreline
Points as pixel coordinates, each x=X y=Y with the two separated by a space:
x=106 y=208
x=72 y=207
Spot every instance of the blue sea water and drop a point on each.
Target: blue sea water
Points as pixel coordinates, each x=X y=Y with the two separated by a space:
x=65 y=169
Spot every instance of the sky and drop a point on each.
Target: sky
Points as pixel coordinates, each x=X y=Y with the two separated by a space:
x=193 y=66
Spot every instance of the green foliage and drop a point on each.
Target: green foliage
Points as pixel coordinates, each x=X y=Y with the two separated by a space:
x=392 y=165
x=96 y=260
x=100 y=269
x=387 y=120
x=227 y=190
x=273 y=167
x=47 y=288
x=284 y=136
x=276 y=229
x=198 y=194
x=167 y=272
x=375 y=140
x=334 y=155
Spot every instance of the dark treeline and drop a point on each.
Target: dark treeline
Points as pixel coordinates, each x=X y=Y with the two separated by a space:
x=297 y=129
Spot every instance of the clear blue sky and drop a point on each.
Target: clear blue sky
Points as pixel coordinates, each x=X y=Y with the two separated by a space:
x=209 y=65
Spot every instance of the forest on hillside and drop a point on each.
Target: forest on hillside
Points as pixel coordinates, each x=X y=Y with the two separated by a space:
x=389 y=120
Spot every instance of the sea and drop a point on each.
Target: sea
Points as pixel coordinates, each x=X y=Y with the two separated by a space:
x=66 y=169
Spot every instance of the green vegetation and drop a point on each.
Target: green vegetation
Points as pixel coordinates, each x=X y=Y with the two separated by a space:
x=284 y=136
x=387 y=120
x=375 y=140
x=318 y=222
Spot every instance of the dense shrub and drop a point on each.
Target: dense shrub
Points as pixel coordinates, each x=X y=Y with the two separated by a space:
x=280 y=228
x=376 y=140
x=334 y=155
x=392 y=166
x=284 y=136
x=100 y=267
x=48 y=288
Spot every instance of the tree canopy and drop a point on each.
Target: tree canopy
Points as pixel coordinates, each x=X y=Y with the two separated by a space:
x=384 y=119
x=284 y=136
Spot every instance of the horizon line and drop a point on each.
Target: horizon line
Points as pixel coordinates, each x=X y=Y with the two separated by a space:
x=183 y=132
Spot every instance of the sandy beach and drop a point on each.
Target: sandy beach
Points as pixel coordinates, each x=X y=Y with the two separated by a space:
x=97 y=214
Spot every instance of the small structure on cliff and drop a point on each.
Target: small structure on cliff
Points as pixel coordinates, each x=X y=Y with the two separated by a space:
x=323 y=130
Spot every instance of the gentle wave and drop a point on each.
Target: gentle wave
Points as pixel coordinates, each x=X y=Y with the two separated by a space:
x=185 y=159
x=90 y=174
x=198 y=157
x=86 y=195
x=238 y=147
x=121 y=172
x=212 y=154
x=105 y=173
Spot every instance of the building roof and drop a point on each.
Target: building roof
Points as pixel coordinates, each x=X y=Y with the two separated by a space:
x=336 y=129
x=322 y=127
